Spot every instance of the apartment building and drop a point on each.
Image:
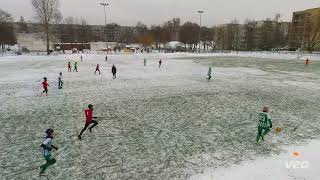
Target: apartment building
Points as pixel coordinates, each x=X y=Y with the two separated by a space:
x=304 y=25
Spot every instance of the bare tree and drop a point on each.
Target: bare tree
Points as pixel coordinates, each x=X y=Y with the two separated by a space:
x=206 y=37
x=279 y=36
x=126 y=35
x=212 y=39
x=85 y=32
x=171 y=30
x=235 y=35
x=176 y=22
x=188 y=34
x=266 y=35
x=145 y=39
x=310 y=37
x=250 y=41
x=71 y=29
x=168 y=30
x=221 y=41
x=156 y=32
x=23 y=27
x=141 y=28
x=47 y=12
x=7 y=35
x=277 y=17
x=5 y=17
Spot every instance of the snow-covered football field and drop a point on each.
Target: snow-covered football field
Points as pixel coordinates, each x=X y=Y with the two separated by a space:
x=157 y=123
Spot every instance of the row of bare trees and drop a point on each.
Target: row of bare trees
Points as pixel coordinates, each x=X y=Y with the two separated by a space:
x=72 y=30
x=267 y=35
x=252 y=35
x=172 y=30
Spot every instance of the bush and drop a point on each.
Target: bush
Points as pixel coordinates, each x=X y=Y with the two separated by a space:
x=25 y=50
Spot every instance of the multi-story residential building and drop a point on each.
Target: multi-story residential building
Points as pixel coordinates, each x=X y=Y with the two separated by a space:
x=251 y=36
x=305 y=24
x=266 y=35
x=254 y=35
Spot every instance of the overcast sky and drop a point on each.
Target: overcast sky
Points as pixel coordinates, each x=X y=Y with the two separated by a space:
x=129 y=12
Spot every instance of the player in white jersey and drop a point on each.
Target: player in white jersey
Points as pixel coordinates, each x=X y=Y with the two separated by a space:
x=46 y=150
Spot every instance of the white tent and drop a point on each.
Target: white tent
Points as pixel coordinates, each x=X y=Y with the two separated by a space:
x=174 y=45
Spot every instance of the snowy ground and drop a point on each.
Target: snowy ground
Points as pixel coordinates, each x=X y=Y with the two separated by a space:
x=166 y=123
x=271 y=168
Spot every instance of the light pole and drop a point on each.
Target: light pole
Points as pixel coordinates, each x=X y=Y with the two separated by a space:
x=200 y=13
x=105 y=22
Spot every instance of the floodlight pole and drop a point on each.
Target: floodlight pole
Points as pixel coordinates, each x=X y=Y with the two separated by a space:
x=105 y=22
x=200 y=13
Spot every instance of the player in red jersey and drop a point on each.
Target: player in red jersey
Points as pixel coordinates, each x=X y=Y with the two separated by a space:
x=89 y=120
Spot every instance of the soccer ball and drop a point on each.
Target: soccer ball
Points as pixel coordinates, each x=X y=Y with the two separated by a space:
x=278 y=130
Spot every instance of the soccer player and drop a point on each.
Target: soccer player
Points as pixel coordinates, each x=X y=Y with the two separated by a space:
x=69 y=66
x=265 y=124
x=45 y=85
x=89 y=120
x=306 y=62
x=46 y=150
x=75 y=67
x=209 y=74
x=114 y=71
x=60 y=82
x=97 y=69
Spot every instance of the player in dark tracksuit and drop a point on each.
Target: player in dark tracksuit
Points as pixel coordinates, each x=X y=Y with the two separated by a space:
x=97 y=69
x=114 y=71
x=60 y=82
x=209 y=74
